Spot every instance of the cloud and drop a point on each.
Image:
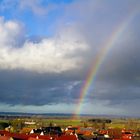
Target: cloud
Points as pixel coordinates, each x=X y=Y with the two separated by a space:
x=56 y=54
x=40 y=109
x=49 y=72
x=26 y=88
x=35 y=6
x=12 y=33
x=7 y=4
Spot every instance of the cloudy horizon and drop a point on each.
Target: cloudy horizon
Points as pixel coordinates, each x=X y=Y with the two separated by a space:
x=48 y=47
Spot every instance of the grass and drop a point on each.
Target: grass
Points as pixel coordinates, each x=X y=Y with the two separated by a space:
x=64 y=122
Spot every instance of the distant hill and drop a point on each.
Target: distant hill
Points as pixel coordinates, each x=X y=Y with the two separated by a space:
x=62 y=115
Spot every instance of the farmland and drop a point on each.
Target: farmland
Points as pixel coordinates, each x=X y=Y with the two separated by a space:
x=83 y=125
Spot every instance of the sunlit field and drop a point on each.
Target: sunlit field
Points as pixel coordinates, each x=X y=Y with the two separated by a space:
x=85 y=127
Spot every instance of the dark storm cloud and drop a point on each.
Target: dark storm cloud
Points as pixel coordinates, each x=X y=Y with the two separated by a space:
x=26 y=88
x=117 y=79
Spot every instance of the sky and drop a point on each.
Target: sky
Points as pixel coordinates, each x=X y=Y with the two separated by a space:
x=48 y=48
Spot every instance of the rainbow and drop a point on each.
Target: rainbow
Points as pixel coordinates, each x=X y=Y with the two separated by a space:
x=100 y=57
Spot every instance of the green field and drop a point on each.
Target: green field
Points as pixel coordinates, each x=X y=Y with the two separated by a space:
x=19 y=124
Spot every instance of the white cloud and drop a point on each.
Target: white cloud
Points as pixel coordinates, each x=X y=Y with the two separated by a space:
x=58 y=54
x=10 y=32
x=35 y=6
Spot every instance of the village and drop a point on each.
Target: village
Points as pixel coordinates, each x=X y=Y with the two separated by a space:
x=57 y=128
